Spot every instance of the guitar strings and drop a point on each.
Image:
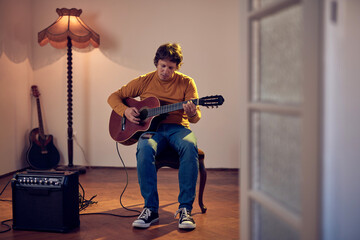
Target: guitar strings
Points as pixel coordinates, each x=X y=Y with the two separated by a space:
x=168 y=108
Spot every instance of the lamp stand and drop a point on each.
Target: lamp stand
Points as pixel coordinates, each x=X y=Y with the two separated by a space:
x=70 y=166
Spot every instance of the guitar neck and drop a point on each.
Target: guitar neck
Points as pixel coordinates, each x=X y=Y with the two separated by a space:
x=41 y=127
x=169 y=108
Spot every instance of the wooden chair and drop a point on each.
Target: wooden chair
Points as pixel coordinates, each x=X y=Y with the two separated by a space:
x=170 y=158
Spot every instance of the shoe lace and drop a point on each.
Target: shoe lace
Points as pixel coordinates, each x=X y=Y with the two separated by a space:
x=184 y=214
x=145 y=214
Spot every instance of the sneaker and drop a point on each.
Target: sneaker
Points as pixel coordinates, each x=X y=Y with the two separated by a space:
x=185 y=220
x=146 y=218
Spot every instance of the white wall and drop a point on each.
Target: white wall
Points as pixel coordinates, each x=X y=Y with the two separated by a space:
x=15 y=81
x=130 y=33
x=341 y=198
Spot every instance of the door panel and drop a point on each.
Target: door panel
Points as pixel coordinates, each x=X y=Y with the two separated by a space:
x=277 y=65
x=280 y=120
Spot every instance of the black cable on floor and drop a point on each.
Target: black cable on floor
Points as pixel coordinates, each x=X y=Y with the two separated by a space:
x=83 y=203
x=4 y=224
x=5 y=200
x=127 y=182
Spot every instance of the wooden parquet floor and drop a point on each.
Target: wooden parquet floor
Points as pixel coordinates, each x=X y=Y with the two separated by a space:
x=221 y=197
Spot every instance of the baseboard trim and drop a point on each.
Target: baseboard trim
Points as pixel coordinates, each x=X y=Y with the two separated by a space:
x=129 y=168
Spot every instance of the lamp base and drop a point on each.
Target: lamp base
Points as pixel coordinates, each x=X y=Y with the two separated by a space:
x=80 y=169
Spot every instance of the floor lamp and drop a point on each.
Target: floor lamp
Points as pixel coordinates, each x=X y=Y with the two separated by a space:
x=67 y=31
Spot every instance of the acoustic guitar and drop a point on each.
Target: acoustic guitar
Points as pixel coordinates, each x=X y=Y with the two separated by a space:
x=42 y=153
x=151 y=113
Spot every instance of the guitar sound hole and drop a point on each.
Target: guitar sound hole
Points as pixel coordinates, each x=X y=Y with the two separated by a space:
x=143 y=114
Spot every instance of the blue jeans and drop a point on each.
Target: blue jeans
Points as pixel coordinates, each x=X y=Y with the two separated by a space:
x=150 y=144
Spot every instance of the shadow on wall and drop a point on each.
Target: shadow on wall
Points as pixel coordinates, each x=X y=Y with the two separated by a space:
x=15 y=34
x=117 y=26
x=129 y=32
x=18 y=38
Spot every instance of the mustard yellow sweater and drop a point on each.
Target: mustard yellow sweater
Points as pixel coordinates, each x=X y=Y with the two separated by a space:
x=178 y=89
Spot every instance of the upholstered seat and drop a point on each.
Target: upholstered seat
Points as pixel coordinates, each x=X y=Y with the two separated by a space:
x=170 y=158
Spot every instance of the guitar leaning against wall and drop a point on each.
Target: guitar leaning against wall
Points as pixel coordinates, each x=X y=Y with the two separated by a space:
x=42 y=153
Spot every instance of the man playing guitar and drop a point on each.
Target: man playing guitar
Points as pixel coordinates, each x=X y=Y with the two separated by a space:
x=169 y=86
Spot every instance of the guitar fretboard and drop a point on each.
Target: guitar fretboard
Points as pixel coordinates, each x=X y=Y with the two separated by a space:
x=41 y=127
x=168 y=108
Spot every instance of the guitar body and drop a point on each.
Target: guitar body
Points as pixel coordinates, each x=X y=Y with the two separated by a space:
x=42 y=153
x=126 y=132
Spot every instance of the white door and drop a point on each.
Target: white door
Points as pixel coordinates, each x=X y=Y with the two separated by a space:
x=280 y=113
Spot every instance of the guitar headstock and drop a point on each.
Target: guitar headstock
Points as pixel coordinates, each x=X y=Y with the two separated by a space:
x=211 y=101
x=35 y=91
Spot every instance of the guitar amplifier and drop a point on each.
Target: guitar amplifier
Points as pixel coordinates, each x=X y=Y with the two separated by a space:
x=45 y=200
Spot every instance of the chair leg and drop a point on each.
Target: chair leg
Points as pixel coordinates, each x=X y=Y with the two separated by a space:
x=202 y=171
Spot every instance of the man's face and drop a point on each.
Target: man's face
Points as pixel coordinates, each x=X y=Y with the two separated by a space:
x=166 y=69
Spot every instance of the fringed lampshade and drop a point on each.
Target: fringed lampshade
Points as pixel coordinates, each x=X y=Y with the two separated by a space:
x=69 y=24
x=67 y=31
